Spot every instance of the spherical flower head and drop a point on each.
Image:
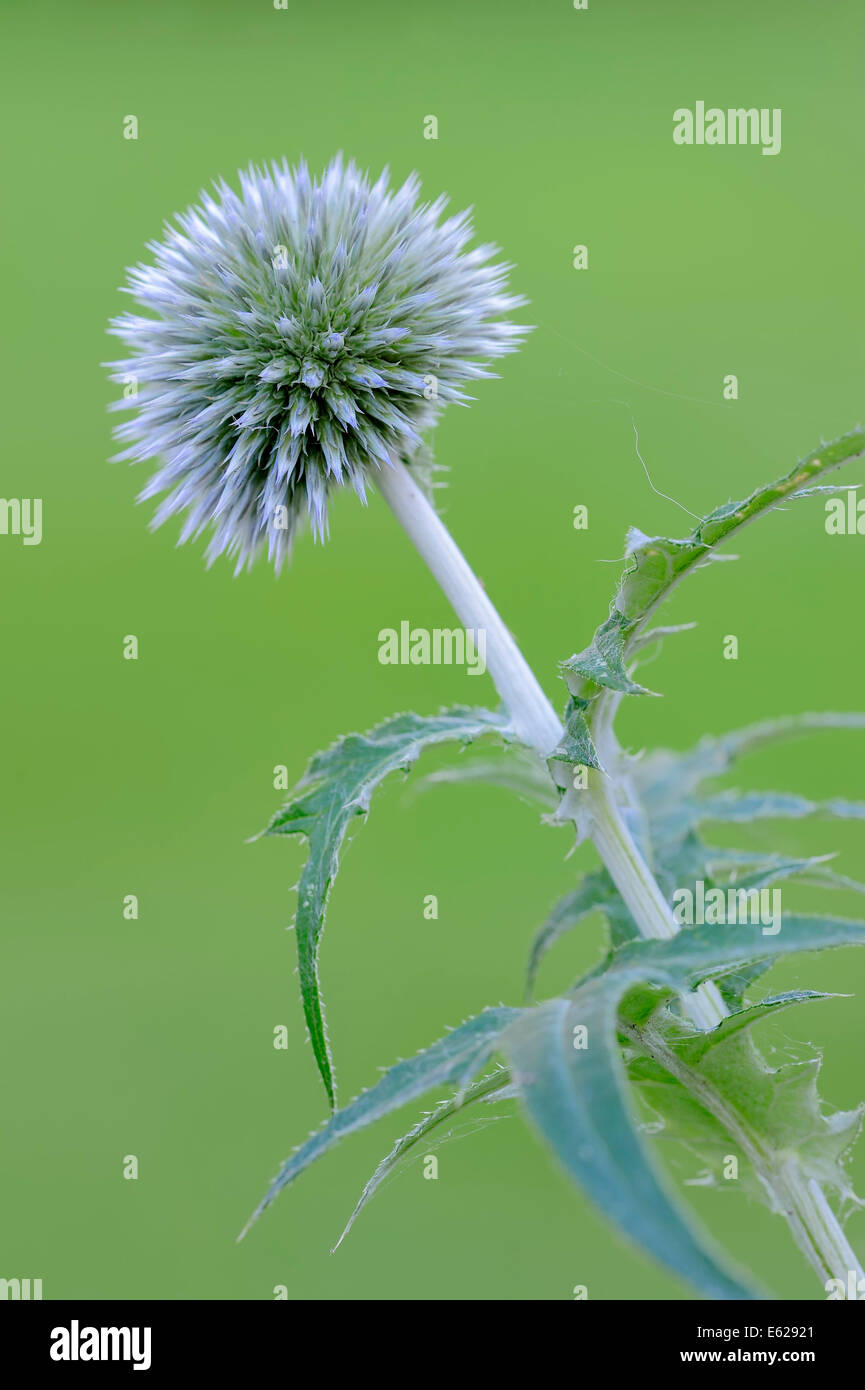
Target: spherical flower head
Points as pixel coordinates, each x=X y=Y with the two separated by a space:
x=300 y=334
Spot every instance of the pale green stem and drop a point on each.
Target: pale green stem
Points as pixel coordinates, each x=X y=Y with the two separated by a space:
x=812 y=1222
x=532 y=716
x=639 y=889
x=536 y=723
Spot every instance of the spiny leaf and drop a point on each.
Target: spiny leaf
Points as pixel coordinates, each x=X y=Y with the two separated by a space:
x=665 y=786
x=597 y=892
x=454 y=1058
x=700 y=953
x=338 y=786
x=773 y=868
x=745 y=807
x=489 y=1088
x=576 y=747
x=734 y=986
x=824 y=488
x=716 y=1094
x=576 y=1096
x=577 y=1101
x=603 y=663
x=657 y=563
x=822 y=877
x=516 y=769
x=664 y=776
x=692 y=1047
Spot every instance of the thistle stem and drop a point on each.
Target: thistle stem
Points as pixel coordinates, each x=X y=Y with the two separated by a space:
x=640 y=892
x=813 y=1224
x=533 y=719
x=532 y=716
x=820 y=1237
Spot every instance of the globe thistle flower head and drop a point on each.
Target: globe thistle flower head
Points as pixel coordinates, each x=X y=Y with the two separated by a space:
x=299 y=334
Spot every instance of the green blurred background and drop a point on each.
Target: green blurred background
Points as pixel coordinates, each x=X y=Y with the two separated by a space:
x=154 y=1037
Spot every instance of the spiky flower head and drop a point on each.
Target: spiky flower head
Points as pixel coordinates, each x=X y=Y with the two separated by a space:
x=299 y=334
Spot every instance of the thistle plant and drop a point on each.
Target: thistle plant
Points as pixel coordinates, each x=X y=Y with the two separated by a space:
x=304 y=334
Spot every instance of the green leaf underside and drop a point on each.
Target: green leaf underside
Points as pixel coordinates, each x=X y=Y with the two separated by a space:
x=457 y=1057
x=700 y=953
x=578 y=1103
x=678 y=1114
x=663 y=776
x=692 y=1047
x=677 y=868
x=577 y=1099
x=515 y=769
x=668 y=786
x=745 y=807
x=723 y=1100
x=339 y=786
x=657 y=563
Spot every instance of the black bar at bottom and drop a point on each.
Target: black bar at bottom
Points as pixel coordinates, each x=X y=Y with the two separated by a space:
x=66 y=1338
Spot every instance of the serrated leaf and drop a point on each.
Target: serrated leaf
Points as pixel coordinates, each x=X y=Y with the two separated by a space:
x=337 y=787
x=772 y=1117
x=774 y=868
x=576 y=1094
x=679 y=868
x=576 y=747
x=665 y=776
x=735 y=955
x=578 y=1103
x=826 y=488
x=518 y=770
x=734 y=986
x=745 y=807
x=693 y=1047
x=457 y=1057
x=699 y=953
x=656 y=564
x=489 y=1088
x=603 y=663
